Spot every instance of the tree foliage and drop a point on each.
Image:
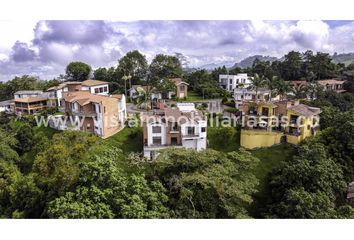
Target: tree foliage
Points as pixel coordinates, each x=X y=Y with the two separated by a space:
x=78 y=71
x=206 y=184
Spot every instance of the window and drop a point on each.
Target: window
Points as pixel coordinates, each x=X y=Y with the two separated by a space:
x=156 y=129
x=203 y=129
x=230 y=80
x=156 y=140
x=96 y=90
x=101 y=89
x=308 y=127
x=181 y=88
x=190 y=130
x=106 y=89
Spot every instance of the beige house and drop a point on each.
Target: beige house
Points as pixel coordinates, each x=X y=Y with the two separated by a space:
x=181 y=87
x=98 y=114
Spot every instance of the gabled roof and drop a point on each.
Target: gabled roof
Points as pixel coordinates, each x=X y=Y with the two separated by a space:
x=178 y=81
x=91 y=83
x=85 y=97
x=305 y=110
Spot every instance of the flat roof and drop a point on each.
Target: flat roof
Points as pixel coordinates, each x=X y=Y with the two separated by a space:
x=30 y=99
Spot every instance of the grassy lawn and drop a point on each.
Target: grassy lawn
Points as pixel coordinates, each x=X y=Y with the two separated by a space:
x=192 y=97
x=129 y=140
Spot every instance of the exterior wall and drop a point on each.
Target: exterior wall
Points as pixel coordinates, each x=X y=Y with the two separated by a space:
x=111 y=124
x=230 y=82
x=184 y=93
x=259 y=138
x=293 y=139
x=72 y=87
x=104 y=88
x=122 y=110
x=151 y=135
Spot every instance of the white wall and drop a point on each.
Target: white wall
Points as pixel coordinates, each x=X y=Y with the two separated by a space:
x=93 y=89
x=151 y=135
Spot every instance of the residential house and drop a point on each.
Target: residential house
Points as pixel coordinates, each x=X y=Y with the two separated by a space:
x=230 y=82
x=181 y=91
x=181 y=88
x=332 y=84
x=181 y=127
x=246 y=94
x=269 y=123
x=98 y=114
x=7 y=106
x=92 y=86
x=29 y=105
x=329 y=84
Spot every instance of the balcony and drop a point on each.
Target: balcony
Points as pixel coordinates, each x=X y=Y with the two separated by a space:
x=189 y=135
x=84 y=113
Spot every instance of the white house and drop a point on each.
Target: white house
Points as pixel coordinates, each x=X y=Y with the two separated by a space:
x=7 y=106
x=181 y=127
x=246 y=94
x=230 y=82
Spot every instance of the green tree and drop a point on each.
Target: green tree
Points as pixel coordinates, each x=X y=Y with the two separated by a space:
x=283 y=88
x=165 y=66
x=257 y=83
x=100 y=74
x=133 y=64
x=307 y=186
x=78 y=71
x=291 y=66
x=105 y=191
x=206 y=184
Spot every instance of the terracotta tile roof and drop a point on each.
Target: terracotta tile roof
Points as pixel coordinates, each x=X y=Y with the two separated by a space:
x=64 y=84
x=330 y=82
x=178 y=81
x=85 y=97
x=30 y=99
x=90 y=83
x=305 y=110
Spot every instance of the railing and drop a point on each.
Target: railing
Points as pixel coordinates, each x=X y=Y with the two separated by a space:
x=189 y=135
x=84 y=114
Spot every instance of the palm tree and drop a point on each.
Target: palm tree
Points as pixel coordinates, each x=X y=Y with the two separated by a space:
x=283 y=87
x=300 y=91
x=272 y=84
x=257 y=82
x=313 y=89
x=125 y=78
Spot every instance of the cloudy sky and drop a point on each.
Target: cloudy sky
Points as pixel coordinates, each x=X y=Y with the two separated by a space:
x=44 y=48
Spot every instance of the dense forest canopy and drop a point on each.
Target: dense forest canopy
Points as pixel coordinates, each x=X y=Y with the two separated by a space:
x=71 y=174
